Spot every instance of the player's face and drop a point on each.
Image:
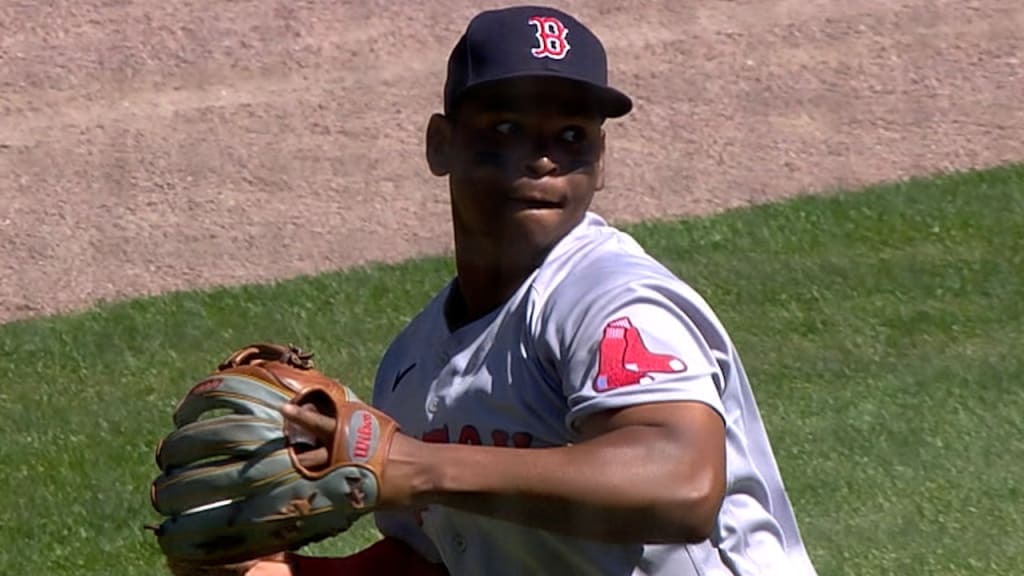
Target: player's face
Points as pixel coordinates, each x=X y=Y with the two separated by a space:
x=524 y=160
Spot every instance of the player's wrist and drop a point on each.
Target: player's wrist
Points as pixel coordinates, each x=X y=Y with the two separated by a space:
x=410 y=477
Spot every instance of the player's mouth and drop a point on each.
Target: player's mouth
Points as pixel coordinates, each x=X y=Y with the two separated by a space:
x=532 y=203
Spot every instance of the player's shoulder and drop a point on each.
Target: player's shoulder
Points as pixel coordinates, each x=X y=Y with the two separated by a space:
x=599 y=268
x=597 y=257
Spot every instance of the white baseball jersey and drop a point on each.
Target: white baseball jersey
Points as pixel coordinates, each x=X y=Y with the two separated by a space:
x=599 y=325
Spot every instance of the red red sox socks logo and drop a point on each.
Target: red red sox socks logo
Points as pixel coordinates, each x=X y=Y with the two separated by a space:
x=551 y=34
x=624 y=360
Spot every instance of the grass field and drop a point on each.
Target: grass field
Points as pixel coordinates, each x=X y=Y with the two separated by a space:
x=882 y=330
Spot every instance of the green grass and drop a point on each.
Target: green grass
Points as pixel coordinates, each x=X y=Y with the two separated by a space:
x=882 y=330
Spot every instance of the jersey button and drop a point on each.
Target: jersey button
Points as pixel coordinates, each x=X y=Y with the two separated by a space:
x=459 y=542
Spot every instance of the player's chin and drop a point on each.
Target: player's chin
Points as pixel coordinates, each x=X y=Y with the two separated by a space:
x=539 y=228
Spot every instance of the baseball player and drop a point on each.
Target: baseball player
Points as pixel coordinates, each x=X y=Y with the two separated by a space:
x=567 y=405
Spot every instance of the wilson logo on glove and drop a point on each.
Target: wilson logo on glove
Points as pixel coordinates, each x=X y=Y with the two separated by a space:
x=364 y=442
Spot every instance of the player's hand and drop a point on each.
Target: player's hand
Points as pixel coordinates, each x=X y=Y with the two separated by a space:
x=305 y=426
x=404 y=470
x=275 y=565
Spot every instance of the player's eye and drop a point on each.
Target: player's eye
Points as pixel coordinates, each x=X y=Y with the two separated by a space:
x=508 y=128
x=573 y=135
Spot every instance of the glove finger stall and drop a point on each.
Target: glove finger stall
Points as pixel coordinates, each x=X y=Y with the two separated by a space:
x=285 y=518
x=241 y=393
x=184 y=489
x=223 y=437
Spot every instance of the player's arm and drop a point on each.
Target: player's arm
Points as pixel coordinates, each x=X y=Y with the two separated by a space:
x=645 y=473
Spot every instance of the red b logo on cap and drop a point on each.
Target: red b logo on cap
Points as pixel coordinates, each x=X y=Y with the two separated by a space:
x=551 y=34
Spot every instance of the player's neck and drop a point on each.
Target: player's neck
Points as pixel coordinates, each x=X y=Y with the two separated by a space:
x=484 y=282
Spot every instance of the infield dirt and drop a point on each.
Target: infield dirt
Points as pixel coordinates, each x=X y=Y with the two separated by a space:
x=152 y=145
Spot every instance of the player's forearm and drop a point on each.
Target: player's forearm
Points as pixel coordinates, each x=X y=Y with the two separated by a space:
x=637 y=484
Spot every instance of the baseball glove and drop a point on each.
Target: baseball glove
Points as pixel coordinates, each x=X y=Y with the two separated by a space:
x=232 y=486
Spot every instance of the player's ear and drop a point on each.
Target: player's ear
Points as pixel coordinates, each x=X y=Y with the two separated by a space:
x=439 y=139
x=599 y=165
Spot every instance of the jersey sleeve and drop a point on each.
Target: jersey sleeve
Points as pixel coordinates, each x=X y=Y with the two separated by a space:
x=628 y=344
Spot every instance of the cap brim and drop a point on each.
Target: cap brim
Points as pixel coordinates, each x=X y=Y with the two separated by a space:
x=614 y=103
x=608 y=102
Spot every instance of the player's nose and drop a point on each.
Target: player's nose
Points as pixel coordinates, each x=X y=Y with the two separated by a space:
x=541 y=165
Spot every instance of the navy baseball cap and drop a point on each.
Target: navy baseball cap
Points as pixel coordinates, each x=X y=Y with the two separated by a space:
x=531 y=41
